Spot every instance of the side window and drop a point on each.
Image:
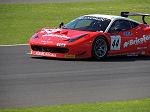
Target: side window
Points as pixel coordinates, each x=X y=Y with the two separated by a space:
x=123 y=25
x=134 y=24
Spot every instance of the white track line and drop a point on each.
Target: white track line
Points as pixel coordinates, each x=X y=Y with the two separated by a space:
x=13 y=45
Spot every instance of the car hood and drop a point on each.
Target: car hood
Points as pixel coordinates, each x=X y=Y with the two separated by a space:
x=60 y=34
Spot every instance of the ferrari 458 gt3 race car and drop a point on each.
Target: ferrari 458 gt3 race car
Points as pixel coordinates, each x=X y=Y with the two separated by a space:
x=95 y=36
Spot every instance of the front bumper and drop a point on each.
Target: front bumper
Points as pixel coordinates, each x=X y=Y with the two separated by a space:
x=70 y=51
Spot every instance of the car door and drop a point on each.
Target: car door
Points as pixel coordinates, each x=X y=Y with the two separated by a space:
x=122 y=37
x=142 y=39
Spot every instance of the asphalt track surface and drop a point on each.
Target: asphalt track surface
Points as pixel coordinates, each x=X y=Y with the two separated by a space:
x=29 y=81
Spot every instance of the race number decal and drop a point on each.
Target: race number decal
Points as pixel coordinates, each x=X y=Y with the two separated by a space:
x=115 y=42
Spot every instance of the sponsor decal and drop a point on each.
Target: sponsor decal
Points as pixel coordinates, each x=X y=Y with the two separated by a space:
x=61 y=44
x=138 y=48
x=128 y=54
x=137 y=41
x=43 y=41
x=39 y=53
x=115 y=42
x=55 y=35
x=127 y=34
x=45 y=54
x=50 y=54
x=95 y=18
x=52 y=30
x=50 y=42
x=69 y=56
x=133 y=54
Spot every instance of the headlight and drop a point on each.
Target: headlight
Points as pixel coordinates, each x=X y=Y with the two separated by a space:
x=35 y=36
x=77 y=38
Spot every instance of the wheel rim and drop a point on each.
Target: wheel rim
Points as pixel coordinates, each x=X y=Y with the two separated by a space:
x=100 y=48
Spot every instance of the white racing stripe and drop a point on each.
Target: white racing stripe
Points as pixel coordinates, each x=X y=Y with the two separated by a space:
x=13 y=45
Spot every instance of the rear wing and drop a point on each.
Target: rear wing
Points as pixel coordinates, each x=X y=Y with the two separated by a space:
x=126 y=14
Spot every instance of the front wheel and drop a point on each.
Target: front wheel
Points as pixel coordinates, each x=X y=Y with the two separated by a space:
x=100 y=48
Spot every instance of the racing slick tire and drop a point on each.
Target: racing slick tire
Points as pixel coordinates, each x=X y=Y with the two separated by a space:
x=100 y=48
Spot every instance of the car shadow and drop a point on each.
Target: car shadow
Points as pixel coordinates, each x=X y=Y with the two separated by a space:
x=107 y=59
x=126 y=58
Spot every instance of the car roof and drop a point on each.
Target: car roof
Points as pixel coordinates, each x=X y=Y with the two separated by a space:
x=104 y=16
x=112 y=17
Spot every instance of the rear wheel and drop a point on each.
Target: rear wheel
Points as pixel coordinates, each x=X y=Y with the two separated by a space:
x=100 y=48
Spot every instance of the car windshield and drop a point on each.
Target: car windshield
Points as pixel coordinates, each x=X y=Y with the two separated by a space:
x=88 y=23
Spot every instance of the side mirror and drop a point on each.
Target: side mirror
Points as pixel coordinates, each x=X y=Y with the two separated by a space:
x=61 y=24
x=115 y=30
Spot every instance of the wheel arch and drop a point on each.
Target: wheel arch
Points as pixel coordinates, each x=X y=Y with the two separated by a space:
x=102 y=36
x=93 y=44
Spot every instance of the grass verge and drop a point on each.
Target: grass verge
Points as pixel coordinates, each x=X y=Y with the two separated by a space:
x=20 y=21
x=120 y=106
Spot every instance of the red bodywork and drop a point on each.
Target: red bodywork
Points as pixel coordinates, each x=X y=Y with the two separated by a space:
x=54 y=42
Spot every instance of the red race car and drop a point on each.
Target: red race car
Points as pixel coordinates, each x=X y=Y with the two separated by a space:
x=95 y=36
